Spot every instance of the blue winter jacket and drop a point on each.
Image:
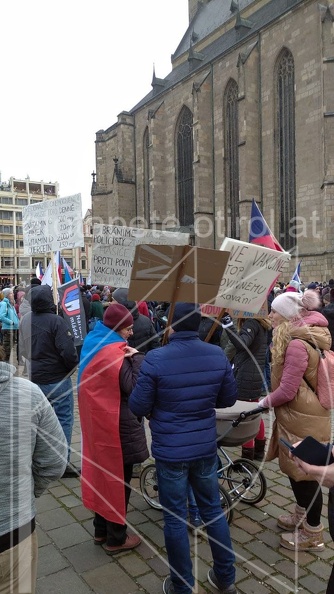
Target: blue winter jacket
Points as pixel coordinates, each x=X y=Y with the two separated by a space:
x=8 y=315
x=179 y=386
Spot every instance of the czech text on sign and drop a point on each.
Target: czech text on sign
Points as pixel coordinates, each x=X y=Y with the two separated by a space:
x=249 y=274
x=114 y=248
x=52 y=225
x=73 y=309
x=213 y=311
x=176 y=273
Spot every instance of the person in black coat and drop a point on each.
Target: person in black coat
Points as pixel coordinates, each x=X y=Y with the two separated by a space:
x=328 y=312
x=250 y=342
x=144 y=336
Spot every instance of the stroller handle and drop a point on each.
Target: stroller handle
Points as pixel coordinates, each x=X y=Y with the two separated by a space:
x=249 y=413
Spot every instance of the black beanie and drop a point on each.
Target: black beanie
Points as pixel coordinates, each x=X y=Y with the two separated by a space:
x=186 y=316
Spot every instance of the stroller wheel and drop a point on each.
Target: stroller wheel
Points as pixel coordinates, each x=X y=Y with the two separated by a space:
x=149 y=486
x=226 y=504
x=246 y=481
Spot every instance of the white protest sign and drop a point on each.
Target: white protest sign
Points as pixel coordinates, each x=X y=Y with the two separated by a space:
x=114 y=248
x=249 y=274
x=52 y=225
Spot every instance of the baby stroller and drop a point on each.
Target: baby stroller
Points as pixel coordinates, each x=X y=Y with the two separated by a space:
x=235 y=426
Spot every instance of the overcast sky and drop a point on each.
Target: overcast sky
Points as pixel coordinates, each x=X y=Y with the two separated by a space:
x=68 y=69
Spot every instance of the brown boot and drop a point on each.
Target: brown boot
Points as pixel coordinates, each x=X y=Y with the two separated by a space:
x=292 y=521
x=260 y=445
x=247 y=453
x=308 y=538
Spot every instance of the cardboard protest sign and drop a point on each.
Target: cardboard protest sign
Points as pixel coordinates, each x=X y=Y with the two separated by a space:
x=176 y=273
x=73 y=309
x=213 y=311
x=52 y=225
x=249 y=274
x=114 y=248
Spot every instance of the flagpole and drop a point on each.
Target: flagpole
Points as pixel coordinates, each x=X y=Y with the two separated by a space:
x=54 y=279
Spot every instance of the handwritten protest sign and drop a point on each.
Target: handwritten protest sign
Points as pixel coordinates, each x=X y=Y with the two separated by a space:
x=114 y=249
x=52 y=225
x=213 y=311
x=249 y=274
x=176 y=273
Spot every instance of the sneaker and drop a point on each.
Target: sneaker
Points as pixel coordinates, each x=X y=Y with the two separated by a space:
x=195 y=521
x=213 y=580
x=308 y=538
x=71 y=472
x=132 y=541
x=292 y=521
x=167 y=586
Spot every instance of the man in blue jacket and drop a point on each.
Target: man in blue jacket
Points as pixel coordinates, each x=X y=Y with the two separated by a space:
x=178 y=388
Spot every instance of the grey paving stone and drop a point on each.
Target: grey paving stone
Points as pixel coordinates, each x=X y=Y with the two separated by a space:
x=313 y=584
x=43 y=538
x=321 y=569
x=251 y=586
x=86 y=556
x=68 y=536
x=81 y=513
x=55 y=518
x=70 y=501
x=50 y=561
x=262 y=551
x=46 y=502
x=154 y=533
x=59 y=491
x=109 y=578
x=159 y=565
x=64 y=582
x=279 y=583
x=151 y=583
x=133 y=564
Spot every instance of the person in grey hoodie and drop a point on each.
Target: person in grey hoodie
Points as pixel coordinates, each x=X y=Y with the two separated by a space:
x=33 y=453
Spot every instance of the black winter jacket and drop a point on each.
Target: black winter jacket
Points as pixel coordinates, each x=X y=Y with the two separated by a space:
x=328 y=312
x=131 y=429
x=144 y=336
x=249 y=360
x=45 y=339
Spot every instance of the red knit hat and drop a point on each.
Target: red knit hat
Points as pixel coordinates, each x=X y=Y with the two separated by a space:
x=96 y=297
x=117 y=317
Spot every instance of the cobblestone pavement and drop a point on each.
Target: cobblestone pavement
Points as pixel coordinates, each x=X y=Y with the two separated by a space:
x=69 y=563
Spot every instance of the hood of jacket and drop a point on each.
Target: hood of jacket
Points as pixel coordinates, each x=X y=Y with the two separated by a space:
x=314 y=328
x=41 y=299
x=121 y=296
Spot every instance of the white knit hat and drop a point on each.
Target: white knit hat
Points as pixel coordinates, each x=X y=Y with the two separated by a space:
x=296 y=305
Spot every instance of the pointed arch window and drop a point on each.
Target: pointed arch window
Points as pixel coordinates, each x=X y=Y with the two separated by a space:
x=184 y=167
x=146 y=180
x=285 y=146
x=232 y=159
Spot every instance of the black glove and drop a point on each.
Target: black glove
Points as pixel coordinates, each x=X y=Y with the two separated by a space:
x=226 y=321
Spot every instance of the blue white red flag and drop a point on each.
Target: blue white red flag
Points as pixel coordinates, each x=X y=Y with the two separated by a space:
x=58 y=266
x=296 y=274
x=39 y=271
x=259 y=232
x=68 y=271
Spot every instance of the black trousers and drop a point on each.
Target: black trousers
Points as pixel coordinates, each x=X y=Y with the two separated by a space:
x=308 y=494
x=115 y=533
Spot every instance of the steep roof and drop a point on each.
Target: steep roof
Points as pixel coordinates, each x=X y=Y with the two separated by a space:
x=209 y=17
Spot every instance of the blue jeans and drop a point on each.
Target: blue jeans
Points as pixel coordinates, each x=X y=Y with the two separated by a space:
x=192 y=505
x=60 y=396
x=173 y=493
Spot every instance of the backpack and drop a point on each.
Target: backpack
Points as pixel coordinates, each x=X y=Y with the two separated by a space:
x=325 y=381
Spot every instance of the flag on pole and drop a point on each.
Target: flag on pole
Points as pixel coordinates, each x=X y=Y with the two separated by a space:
x=296 y=274
x=259 y=232
x=58 y=266
x=39 y=271
x=47 y=277
x=68 y=271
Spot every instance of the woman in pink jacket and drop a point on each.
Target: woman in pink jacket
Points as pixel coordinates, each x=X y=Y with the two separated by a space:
x=298 y=412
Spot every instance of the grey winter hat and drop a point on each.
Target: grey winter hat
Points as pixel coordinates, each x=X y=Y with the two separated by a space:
x=7 y=291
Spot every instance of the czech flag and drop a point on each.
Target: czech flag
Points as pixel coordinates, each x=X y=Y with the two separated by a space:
x=259 y=232
x=39 y=271
x=58 y=266
x=296 y=274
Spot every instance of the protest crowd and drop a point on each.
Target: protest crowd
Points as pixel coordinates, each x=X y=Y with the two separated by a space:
x=161 y=369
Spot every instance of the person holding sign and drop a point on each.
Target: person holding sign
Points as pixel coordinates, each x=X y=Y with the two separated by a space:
x=179 y=386
x=297 y=408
